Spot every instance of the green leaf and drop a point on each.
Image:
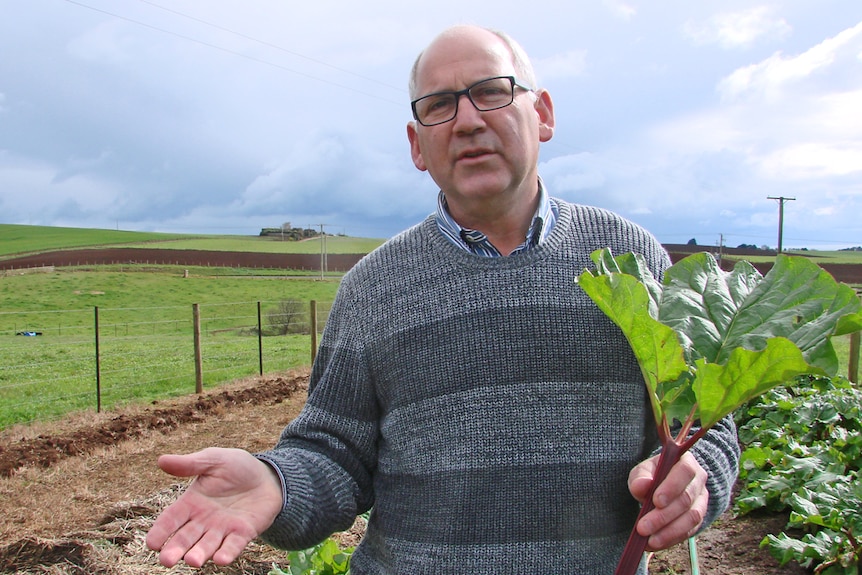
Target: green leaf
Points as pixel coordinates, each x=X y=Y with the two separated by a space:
x=625 y=301
x=711 y=340
x=745 y=375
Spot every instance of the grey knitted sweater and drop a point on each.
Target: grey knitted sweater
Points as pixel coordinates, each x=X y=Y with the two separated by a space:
x=485 y=407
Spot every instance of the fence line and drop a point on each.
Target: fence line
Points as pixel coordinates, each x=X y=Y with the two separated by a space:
x=147 y=353
x=101 y=357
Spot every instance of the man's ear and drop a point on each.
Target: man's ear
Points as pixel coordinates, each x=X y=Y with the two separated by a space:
x=415 y=152
x=545 y=110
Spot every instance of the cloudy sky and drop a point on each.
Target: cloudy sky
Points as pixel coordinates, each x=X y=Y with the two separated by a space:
x=226 y=116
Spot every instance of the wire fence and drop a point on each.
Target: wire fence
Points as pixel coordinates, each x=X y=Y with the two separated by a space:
x=59 y=361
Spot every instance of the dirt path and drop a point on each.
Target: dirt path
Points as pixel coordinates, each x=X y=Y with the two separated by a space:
x=89 y=488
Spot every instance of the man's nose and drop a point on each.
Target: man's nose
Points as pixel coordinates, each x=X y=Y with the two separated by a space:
x=466 y=113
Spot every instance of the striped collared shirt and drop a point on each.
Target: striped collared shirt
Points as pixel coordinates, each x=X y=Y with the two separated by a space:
x=476 y=242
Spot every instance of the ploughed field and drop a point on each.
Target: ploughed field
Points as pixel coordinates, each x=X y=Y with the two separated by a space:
x=843 y=272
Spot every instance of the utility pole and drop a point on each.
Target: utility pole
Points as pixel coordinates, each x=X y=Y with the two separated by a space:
x=781 y=202
x=323 y=262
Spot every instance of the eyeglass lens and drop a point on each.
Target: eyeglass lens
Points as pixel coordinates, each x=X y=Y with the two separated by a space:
x=485 y=95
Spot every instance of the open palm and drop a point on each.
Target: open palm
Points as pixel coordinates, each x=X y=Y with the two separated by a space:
x=233 y=499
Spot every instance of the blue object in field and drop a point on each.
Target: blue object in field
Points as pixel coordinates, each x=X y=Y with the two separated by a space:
x=29 y=333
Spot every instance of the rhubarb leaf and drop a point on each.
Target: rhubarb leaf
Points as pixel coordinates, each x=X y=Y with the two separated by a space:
x=708 y=341
x=626 y=302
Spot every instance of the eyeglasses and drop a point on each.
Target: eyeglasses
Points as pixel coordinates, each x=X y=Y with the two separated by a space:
x=486 y=95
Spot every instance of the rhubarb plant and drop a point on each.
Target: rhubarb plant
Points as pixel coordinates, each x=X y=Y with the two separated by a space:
x=707 y=341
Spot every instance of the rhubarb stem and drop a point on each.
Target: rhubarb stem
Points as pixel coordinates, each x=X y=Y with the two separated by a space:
x=636 y=545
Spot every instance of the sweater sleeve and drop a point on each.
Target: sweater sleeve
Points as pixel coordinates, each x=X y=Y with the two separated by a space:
x=326 y=456
x=718 y=453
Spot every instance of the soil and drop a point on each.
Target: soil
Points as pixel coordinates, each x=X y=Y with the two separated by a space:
x=156 y=256
x=78 y=496
x=847 y=273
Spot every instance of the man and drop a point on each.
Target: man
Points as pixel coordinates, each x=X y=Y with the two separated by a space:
x=465 y=388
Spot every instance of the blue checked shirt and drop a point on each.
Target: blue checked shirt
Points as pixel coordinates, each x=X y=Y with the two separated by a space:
x=476 y=242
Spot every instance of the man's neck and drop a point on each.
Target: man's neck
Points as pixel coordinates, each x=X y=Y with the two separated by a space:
x=505 y=225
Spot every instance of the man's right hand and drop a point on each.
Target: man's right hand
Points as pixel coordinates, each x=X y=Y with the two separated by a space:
x=233 y=499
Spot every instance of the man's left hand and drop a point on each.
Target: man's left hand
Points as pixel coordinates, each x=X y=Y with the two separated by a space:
x=680 y=501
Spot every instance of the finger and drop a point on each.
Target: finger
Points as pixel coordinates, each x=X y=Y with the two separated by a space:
x=178 y=546
x=677 y=521
x=204 y=548
x=165 y=525
x=686 y=477
x=678 y=530
x=641 y=479
x=230 y=548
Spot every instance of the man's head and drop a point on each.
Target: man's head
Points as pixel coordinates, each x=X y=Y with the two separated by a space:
x=480 y=156
x=520 y=60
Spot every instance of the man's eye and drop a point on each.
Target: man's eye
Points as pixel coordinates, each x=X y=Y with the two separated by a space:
x=490 y=92
x=437 y=104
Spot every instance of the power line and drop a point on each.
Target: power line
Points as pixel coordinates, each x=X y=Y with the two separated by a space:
x=270 y=45
x=229 y=51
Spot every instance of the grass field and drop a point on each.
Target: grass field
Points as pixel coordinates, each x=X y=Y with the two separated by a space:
x=826 y=257
x=146 y=337
x=19 y=240
x=145 y=319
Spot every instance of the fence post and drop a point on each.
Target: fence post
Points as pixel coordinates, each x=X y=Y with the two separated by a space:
x=199 y=372
x=98 y=363
x=853 y=368
x=313 y=325
x=259 y=341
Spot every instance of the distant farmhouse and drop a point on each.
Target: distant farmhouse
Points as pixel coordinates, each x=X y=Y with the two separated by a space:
x=289 y=233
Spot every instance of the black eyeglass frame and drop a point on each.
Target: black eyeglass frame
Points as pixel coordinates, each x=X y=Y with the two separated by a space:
x=466 y=92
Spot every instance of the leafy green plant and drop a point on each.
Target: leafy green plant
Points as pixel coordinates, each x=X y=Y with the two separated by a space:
x=802 y=454
x=325 y=558
x=708 y=341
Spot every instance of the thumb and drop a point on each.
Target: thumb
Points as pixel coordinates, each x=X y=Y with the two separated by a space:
x=641 y=479
x=183 y=465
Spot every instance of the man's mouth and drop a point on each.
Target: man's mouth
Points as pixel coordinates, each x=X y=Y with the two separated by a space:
x=470 y=154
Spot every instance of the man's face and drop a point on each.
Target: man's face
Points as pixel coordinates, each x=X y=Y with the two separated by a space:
x=479 y=156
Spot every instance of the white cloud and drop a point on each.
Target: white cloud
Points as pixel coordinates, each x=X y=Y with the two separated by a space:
x=622 y=9
x=777 y=73
x=566 y=65
x=109 y=41
x=335 y=173
x=813 y=160
x=48 y=197
x=738 y=29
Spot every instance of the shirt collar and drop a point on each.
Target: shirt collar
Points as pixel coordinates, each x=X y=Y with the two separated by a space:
x=476 y=242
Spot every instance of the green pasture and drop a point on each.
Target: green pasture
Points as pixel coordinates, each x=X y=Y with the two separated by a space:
x=146 y=344
x=20 y=239
x=146 y=340
x=43 y=378
x=817 y=256
x=68 y=289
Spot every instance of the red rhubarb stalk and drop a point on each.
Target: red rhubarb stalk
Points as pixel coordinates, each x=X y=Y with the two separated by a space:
x=636 y=544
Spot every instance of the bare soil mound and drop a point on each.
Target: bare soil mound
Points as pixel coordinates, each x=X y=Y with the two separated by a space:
x=46 y=449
